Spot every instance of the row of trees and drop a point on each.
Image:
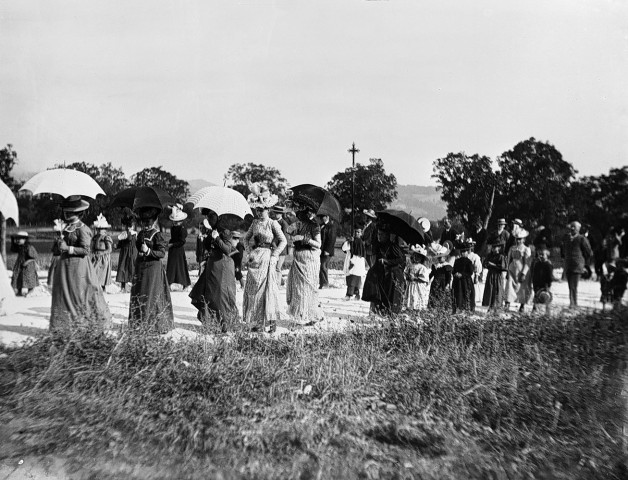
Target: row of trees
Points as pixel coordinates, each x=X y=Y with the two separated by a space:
x=531 y=182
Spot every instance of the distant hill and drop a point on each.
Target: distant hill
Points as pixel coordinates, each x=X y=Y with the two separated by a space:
x=420 y=201
x=199 y=183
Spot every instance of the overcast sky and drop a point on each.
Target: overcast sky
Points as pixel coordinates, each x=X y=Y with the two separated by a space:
x=195 y=86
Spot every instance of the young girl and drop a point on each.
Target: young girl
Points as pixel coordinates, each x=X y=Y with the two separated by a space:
x=177 y=266
x=128 y=252
x=463 y=288
x=25 y=268
x=418 y=279
x=440 y=296
x=542 y=275
x=354 y=266
x=237 y=255
x=101 y=247
x=495 y=263
x=150 y=309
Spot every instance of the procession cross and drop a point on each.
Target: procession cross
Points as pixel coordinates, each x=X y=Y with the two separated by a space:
x=353 y=151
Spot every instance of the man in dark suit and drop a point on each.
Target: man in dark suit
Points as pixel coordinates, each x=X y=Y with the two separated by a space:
x=328 y=245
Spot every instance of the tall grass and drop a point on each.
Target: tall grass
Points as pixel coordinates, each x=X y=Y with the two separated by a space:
x=529 y=397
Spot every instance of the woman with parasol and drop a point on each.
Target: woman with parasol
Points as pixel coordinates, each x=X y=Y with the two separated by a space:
x=77 y=298
x=263 y=241
x=303 y=277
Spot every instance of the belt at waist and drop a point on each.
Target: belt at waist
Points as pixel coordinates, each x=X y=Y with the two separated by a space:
x=263 y=245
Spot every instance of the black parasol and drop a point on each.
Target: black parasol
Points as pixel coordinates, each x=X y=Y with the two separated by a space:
x=323 y=202
x=404 y=225
x=138 y=197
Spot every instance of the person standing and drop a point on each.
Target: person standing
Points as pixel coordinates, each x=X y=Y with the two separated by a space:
x=237 y=256
x=369 y=236
x=101 y=248
x=177 y=266
x=517 y=225
x=328 y=246
x=128 y=252
x=542 y=276
x=301 y=292
x=355 y=265
x=501 y=233
x=449 y=233
x=462 y=285
x=495 y=264
x=417 y=277
x=25 y=267
x=440 y=291
x=150 y=309
x=77 y=298
x=518 y=261
x=480 y=235
x=276 y=213
x=576 y=251
x=263 y=242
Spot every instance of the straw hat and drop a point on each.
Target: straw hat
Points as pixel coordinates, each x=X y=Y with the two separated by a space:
x=74 y=203
x=369 y=213
x=543 y=296
x=517 y=221
x=177 y=214
x=425 y=224
x=523 y=233
x=260 y=197
x=101 y=222
x=436 y=250
x=501 y=221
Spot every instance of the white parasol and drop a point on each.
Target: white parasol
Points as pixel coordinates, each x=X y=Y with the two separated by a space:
x=64 y=182
x=8 y=203
x=221 y=200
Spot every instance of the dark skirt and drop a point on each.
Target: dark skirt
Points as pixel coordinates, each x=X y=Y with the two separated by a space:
x=215 y=291
x=384 y=288
x=493 y=290
x=440 y=293
x=463 y=293
x=177 y=269
x=126 y=262
x=150 y=310
x=354 y=281
x=77 y=298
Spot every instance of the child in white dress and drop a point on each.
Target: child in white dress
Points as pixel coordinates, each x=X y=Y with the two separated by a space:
x=354 y=266
x=418 y=280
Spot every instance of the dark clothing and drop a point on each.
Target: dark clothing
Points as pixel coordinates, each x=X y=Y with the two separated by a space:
x=284 y=227
x=463 y=288
x=440 y=296
x=328 y=238
x=25 y=268
x=127 y=257
x=448 y=235
x=384 y=285
x=481 y=247
x=56 y=253
x=576 y=251
x=543 y=239
x=369 y=236
x=619 y=284
x=177 y=266
x=150 y=309
x=572 y=282
x=542 y=275
x=323 y=275
x=354 y=283
x=494 y=287
x=215 y=292
x=237 y=255
x=504 y=237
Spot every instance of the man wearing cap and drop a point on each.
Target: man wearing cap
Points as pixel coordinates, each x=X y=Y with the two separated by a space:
x=369 y=236
x=328 y=245
x=276 y=213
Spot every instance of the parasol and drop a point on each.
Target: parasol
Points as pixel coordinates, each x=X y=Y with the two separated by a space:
x=404 y=225
x=137 y=197
x=64 y=182
x=222 y=200
x=318 y=198
x=8 y=203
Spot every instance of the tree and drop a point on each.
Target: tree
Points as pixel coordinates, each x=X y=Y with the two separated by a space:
x=469 y=186
x=536 y=182
x=373 y=187
x=158 y=177
x=240 y=175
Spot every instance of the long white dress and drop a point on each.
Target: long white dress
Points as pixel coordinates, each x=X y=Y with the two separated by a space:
x=518 y=261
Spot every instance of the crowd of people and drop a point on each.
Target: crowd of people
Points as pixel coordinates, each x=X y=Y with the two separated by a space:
x=497 y=268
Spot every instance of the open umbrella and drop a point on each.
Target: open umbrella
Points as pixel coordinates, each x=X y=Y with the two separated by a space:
x=136 y=197
x=222 y=200
x=318 y=198
x=404 y=225
x=8 y=203
x=64 y=182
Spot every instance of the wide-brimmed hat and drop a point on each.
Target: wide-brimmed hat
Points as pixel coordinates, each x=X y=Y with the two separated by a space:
x=523 y=233
x=20 y=234
x=543 y=296
x=501 y=221
x=260 y=197
x=101 y=222
x=425 y=224
x=418 y=249
x=148 y=213
x=74 y=203
x=517 y=221
x=369 y=213
x=177 y=214
x=436 y=250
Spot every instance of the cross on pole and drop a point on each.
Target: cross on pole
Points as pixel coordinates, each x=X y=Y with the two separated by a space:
x=353 y=151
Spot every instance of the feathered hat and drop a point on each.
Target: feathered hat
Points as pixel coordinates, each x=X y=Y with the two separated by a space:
x=101 y=222
x=436 y=250
x=419 y=249
x=177 y=214
x=260 y=196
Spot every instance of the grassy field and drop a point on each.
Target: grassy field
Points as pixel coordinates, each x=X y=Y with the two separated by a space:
x=445 y=398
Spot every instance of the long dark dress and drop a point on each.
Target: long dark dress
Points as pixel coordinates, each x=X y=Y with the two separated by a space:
x=25 y=268
x=56 y=254
x=384 y=285
x=77 y=298
x=128 y=256
x=494 y=287
x=151 y=307
x=215 y=291
x=463 y=288
x=177 y=268
x=440 y=295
